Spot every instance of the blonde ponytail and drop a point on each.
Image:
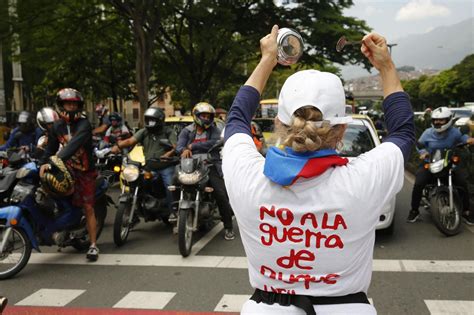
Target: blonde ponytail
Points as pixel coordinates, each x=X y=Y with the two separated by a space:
x=308 y=132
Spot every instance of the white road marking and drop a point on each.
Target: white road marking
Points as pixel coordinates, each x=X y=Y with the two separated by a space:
x=231 y=302
x=440 y=307
x=231 y=262
x=206 y=238
x=145 y=300
x=50 y=297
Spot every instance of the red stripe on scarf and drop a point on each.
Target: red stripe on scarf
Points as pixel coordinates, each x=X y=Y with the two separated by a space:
x=317 y=166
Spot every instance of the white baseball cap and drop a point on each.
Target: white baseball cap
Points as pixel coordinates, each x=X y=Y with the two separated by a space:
x=322 y=90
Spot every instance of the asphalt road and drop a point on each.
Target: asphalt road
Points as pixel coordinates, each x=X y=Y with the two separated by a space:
x=417 y=270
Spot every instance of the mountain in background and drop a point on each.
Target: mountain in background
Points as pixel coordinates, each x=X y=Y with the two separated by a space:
x=441 y=48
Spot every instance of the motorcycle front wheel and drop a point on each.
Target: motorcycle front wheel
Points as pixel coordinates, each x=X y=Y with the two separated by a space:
x=185 y=231
x=16 y=253
x=447 y=221
x=121 y=223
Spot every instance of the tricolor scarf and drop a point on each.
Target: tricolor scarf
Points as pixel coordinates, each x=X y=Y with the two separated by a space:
x=285 y=166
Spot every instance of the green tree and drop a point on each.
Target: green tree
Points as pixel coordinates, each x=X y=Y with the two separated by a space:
x=209 y=45
x=74 y=43
x=465 y=79
x=450 y=87
x=412 y=87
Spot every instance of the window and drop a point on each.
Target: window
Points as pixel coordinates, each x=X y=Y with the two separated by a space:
x=357 y=140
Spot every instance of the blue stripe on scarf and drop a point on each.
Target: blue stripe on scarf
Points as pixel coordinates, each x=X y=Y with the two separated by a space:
x=282 y=166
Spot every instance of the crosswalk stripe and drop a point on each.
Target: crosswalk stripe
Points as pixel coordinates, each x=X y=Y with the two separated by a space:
x=444 y=307
x=206 y=238
x=231 y=302
x=145 y=300
x=232 y=262
x=50 y=297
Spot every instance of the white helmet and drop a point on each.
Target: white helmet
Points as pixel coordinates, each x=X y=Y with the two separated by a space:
x=45 y=116
x=442 y=113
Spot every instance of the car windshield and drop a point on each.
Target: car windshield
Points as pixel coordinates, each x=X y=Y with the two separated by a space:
x=357 y=140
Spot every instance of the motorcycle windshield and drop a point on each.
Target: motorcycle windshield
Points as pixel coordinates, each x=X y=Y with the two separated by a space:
x=437 y=155
x=188 y=165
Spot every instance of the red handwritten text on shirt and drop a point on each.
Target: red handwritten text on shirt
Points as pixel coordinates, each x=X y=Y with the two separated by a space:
x=311 y=238
x=293 y=278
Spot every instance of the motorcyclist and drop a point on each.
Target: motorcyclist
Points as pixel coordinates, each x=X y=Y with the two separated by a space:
x=117 y=130
x=25 y=135
x=150 y=136
x=440 y=136
x=104 y=122
x=4 y=130
x=195 y=140
x=74 y=132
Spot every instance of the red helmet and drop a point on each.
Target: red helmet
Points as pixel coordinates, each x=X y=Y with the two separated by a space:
x=69 y=95
x=101 y=109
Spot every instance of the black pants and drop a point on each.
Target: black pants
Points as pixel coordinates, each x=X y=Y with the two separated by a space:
x=220 y=194
x=424 y=177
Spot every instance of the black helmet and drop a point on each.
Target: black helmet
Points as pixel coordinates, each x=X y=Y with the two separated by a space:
x=154 y=119
x=26 y=121
x=69 y=95
x=58 y=180
x=115 y=116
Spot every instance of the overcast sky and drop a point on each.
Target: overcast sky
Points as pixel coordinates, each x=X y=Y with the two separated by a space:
x=398 y=18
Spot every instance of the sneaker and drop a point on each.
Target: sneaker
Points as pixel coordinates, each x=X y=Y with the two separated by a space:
x=229 y=234
x=173 y=217
x=59 y=237
x=413 y=216
x=468 y=217
x=93 y=253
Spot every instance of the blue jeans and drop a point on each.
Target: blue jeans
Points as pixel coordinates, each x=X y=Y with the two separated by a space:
x=167 y=177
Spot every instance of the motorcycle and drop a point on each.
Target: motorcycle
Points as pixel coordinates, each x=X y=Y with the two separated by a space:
x=12 y=161
x=108 y=164
x=442 y=198
x=33 y=217
x=197 y=208
x=143 y=195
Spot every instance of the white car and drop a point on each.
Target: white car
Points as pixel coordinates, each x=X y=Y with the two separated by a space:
x=360 y=137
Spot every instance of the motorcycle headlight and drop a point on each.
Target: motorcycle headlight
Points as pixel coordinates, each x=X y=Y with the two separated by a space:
x=189 y=178
x=436 y=167
x=130 y=173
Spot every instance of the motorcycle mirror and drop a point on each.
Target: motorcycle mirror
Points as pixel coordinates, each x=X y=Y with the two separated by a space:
x=218 y=144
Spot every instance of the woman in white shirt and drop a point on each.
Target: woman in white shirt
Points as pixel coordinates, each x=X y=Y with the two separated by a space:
x=307 y=217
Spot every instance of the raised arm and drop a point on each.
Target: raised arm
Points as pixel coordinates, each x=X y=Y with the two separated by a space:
x=396 y=104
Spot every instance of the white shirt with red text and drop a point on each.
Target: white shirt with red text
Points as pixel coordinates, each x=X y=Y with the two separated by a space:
x=316 y=236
